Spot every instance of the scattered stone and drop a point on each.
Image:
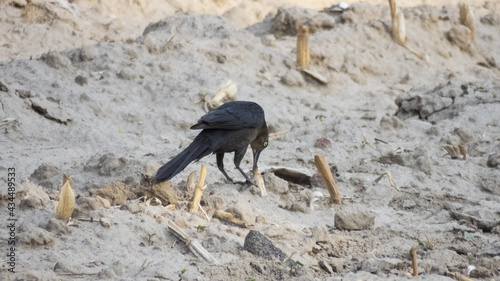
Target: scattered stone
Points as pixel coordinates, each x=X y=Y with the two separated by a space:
x=323 y=143
x=300 y=207
x=492 y=19
x=45 y=172
x=489 y=183
x=30 y=203
x=260 y=219
x=62 y=267
x=242 y=210
x=105 y=164
x=36 y=237
x=389 y=123
x=56 y=60
x=354 y=221
x=105 y=222
x=493 y=161
x=460 y=36
x=116 y=192
x=392 y=158
x=163 y=191
x=24 y=94
x=317 y=181
x=133 y=207
x=83 y=206
x=48 y=176
x=3 y=88
x=103 y=202
x=425 y=103
x=481 y=272
x=276 y=185
x=375 y=265
x=127 y=74
x=57 y=227
x=292 y=78
x=257 y=267
x=81 y=80
x=257 y=244
x=287 y=19
x=326 y=267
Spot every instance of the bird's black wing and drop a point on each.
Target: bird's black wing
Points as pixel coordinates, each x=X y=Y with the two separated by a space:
x=231 y=116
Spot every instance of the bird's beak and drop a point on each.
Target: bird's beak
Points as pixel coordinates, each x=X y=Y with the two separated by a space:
x=256 y=154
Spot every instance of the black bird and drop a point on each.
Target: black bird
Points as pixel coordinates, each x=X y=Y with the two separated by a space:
x=230 y=127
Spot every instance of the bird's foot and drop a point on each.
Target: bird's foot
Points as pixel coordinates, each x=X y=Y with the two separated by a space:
x=251 y=182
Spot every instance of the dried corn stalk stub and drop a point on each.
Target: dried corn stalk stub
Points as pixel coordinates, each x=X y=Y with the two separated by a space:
x=303 y=56
x=259 y=180
x=326 y=174
x=198 y=192
x=398 y=24
x=66 y=204
x=467 y=18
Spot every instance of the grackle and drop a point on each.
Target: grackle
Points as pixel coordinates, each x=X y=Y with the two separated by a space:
x=230 y=127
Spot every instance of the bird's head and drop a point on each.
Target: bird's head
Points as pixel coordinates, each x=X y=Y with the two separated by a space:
x=259 y=143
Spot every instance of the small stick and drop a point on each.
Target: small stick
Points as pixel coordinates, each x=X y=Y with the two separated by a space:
x=303 y=57
x=205 y=213
x=324 y=170
x=413 y=255
x=199 y=190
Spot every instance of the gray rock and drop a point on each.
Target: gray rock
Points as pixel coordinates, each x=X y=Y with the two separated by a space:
x=276 y=184
x=354 y=221
x=243 y=210
x=257 y=244
x=36 y=236
x=31 y=203
x=460 y=36
x=133 y=207
x=493 y=161
x=292 y=78
x=492 y=19
x=389 y=123
x=375 y=265
x=56 y=60
x=326 y=267
x=57 y=226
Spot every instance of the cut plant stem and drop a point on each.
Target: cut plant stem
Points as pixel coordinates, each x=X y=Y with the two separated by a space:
x=303 y=57
x=398 y=24
x=413 y=255
x=198 y=192
x=467 y=18
x=192 y=244
x=324 y=170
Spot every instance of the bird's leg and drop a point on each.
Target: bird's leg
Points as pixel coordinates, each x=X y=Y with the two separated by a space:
x=238 y=156
x=220 y=165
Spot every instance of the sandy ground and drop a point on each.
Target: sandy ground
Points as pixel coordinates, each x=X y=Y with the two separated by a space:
x=106 y=92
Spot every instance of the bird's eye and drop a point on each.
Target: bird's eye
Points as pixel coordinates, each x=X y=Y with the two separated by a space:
x=265 y=144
